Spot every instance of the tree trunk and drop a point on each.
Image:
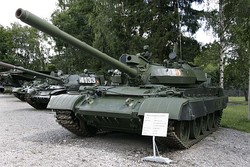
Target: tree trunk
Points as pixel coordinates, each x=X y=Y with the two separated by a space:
x=222 y=43
x=222 y=64
x=249 y=97
x=245 y=94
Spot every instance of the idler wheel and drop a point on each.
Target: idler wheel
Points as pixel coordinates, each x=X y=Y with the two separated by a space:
x=210 y=121
x=204 y=125
x=195 y=128
x=182 y=130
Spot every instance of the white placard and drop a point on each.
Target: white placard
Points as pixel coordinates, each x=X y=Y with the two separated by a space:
x=155 y=124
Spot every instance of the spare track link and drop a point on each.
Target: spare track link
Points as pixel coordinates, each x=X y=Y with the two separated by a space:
x=68 y=120
x=172 y=140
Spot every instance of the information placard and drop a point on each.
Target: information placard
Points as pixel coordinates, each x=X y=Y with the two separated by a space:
x=155 y=124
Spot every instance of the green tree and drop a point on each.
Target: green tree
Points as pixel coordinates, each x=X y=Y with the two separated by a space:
x=24 y=46
x=239 y=62
x=220 y=23
x=232 y=24
x=117 y=27
x=125 y=26
x=6 y=45
x=236 y=73
x=208 y=60
x=27 y=47
x=234 y=16
x=72 y=17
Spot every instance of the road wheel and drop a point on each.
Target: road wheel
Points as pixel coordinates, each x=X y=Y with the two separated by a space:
x=210 y=121
x=182 y=130
x=204 y=124
x=195 y=128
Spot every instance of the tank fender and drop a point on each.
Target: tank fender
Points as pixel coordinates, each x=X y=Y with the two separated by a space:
x=177 y=108
x=58 y=91
x=1 y=89
x=64 y=101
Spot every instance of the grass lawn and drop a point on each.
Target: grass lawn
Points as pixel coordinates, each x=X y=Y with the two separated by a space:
x=235 y=116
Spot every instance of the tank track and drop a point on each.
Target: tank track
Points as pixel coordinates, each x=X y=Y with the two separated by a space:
x=173 y=141
x=20 y=96
x=69 y=121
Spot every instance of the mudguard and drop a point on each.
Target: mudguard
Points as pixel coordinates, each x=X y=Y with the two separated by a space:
x=173 y=106
x=182 y=108
x=1 y=89
x=58 y=91
x=64 y=101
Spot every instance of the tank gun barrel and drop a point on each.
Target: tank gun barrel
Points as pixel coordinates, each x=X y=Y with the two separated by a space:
x=44 y=26
x=10 y=66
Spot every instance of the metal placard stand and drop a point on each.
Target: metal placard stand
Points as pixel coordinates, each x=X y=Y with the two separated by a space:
x=155 y=124
x=156 y=157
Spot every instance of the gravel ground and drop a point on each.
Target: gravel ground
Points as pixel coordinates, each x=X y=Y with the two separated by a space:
x=29 y=137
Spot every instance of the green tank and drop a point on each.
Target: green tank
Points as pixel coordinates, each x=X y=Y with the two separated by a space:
x=41 y=86
x=11 y=80
x=34 y=93
x=138 y=86
x=39 y=96
x=21 y=92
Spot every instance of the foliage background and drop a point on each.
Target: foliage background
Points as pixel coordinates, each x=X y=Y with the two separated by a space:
x=121 y=26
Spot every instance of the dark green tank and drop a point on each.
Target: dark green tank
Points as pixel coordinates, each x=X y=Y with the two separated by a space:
x=22 y=92
x=39 y=96
x=13 y=79
x=138 y=87
x=39 y=88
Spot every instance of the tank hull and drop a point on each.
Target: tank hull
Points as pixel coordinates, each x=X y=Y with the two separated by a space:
x=20 y=95
x=41 y=98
